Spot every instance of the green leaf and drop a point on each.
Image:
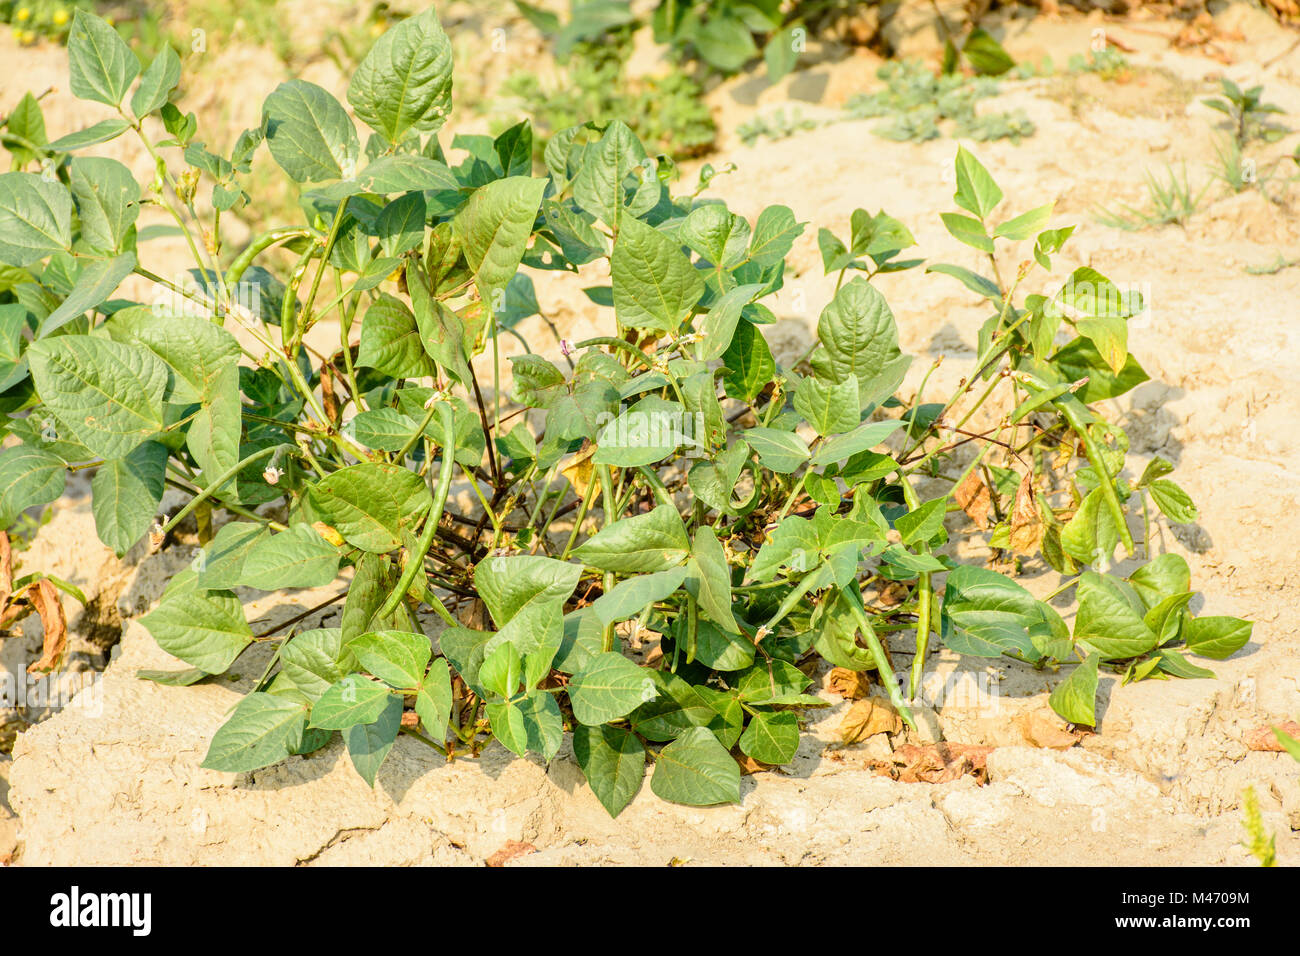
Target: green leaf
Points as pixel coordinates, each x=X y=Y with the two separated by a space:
x=1107 y=620
x=709 y=578
x=28 y=476
x=100 y=64
x=398 y=658
x=1161 y=577
x=372 y=504
x=96 y=283
x=102 y=132
x=774 y=235
x=967 y=230
x=35 y=218
x=646 y=433
x=494 y=228
x=525 y=595
x=771 y=683
x=351 y=701
x=749 y=363
x=368 y=744
x=1166 y=618
x=655 y=286
x=780 y=451
x=971 y=280
x=986 y=614
x=1026 y=224
x=696 y=770
x=830 y=407
x=1080 y=359
x=718 y=236
x=182 y=678
x=772 y=737
x=719 y=326
x=508 y=725
x=859 y=339
x=222 y=566
x=205 y=629
x=924 y=522
x=391 y=342
x=629 y=598
x=159 y=79
x=1176 y=504
x=1091 y=535
x=543 y=724
x=1075 y=698
x=386 y=429
x=502 y=671
x=866 y=436
x=599 y=186
x=297 y=558
x=609 y=687
x=1217 y=637
x=613 y=761
x=107 y=394
x=125 y=495
x=441 y=331
x=264 y=729
x=309 y=133
x=976 y=191
x=404 y=82
x=655 y=541
x=985 y=54
x=315 y=660
x=433 y=701
x=195 y=350
x=725 y=42
x=1175 y=665
x=108 y=201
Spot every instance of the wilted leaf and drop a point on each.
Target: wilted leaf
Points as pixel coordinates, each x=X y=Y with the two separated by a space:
x=974 y=498
x=1026 y=523
x=868 y=717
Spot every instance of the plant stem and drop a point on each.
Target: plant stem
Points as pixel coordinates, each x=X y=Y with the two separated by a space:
x=415 y=560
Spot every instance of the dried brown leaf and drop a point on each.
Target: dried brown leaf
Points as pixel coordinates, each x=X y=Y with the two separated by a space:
x=1263 y=738
x=974 y=498
x=45 y=598
x=1042 y=728
x=851 y=685
x=512 y=849
x=868 y=717
x=1026 y=523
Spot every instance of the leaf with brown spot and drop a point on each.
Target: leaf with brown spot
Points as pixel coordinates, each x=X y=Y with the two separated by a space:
x=45 y=598
x=512 y=849
x=1042 y=728
x=851 y=685
x=868 y=717
x=974 y=498
x=1026 y=523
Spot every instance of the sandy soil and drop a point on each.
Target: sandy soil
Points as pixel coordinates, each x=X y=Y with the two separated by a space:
x=117 y=780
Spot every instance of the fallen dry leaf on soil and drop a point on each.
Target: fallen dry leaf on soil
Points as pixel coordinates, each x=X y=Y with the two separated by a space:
x=868 y=717
x=935 y=763
x=45 y=598
x=974 y=498
x=1042 y=728
x=748 y=765
x=510 y=851
x=851 y=685
x=1263 y=738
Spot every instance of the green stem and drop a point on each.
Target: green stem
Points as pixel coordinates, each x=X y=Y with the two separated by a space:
x=213 y=488
x=415 y=560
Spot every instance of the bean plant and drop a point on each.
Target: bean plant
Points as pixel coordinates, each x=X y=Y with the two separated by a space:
x=670 y=530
